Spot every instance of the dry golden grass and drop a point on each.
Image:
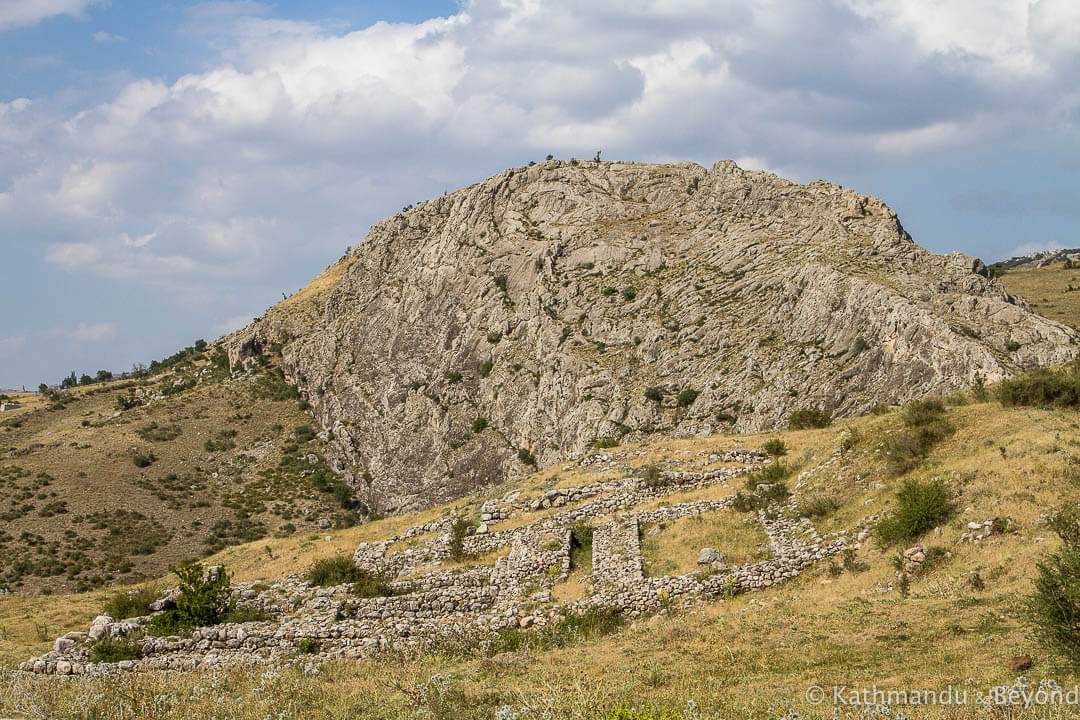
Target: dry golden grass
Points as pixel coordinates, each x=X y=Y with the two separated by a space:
x=1046 y=289
x=753 y=656
x=674 y=550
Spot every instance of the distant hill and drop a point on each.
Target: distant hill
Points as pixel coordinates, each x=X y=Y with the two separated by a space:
x=1038 y=260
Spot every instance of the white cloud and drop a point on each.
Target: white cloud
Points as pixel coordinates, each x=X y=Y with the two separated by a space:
x=94 y=333
x=282 y=153
x=71 y=256
x=23 y=13
x=107 y=38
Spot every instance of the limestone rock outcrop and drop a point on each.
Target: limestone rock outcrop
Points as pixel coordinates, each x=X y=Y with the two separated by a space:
x=523 y=318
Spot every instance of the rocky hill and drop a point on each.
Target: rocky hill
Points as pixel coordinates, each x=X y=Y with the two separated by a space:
x=569 y=303
x=1039 y=260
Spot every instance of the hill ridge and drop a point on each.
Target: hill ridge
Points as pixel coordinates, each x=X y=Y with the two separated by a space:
x=525 y=317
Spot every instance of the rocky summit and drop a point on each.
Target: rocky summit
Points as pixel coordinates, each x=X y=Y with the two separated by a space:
x=520 y=320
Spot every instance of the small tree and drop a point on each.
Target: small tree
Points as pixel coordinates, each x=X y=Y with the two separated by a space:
x=205 y=595
x=1054 y=608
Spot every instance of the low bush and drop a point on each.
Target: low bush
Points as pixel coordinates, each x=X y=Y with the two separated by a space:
x=926 y=426
x=808 y=418
x=686 y=397
x=370 y=584
x=1058 y=387
x=817 y=506
x=142 y=460
x=772 y=473
x=759 y=499
x=111 y=650
x=775 y=447
x=653 y=477
x=246 y=613
x=920 y=506
x=479 y=424
x=337 y=570
x=654 y=394
x=570 y=629
x=307 y=646
x=131 y=603
x=1054 y=608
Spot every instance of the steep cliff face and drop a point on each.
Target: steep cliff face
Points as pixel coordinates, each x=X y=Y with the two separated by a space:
x=526 y=316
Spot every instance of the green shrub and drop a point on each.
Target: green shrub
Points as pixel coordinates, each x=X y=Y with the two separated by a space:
x=155 y=433
x=921 y=413
x=817 y=506
x=1066 y=523
x=458 y=530
x=775 y=447
x=570 y=629
x=344 y=495
x=330 y=571
x=486 y=367
x=205 y=599
x=142 y=460
x=920 y=506
x=1054 y=607
x=608 y=291
x=110 y=650
x=629 y=294
x=369 y=584
x=526 y=457
x=808 y=418
x=581 y=537
x=307 y=646
x=653 y=478
x=1012 y=346
x=654 y=394
x=686 y=397
x=479 y=424
x=605 y=443
x=246 y=613
x=759 y=499
x=926 y=426
x=452 y=376
x=1059 y=387
x=772 y=473
x=221 y=442
x=130 y=603
x=494 y=337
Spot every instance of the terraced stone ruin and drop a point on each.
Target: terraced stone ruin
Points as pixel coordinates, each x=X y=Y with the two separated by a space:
x=429 y=603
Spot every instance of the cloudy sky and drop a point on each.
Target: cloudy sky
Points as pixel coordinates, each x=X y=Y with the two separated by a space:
x=168 y=170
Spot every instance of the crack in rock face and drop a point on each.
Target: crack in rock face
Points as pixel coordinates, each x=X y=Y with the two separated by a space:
x=516 y=322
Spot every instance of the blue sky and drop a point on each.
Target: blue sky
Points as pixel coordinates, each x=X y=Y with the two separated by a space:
x=168 y=170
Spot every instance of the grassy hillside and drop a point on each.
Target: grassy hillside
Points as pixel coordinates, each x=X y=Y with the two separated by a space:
x=848 y=621
x=844 y=622
x=1053 y=291
x=117 y=481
